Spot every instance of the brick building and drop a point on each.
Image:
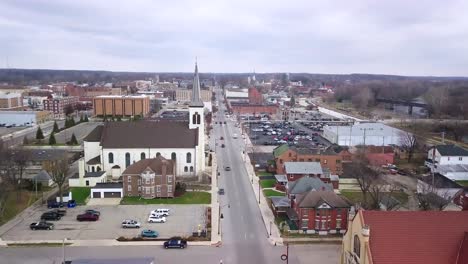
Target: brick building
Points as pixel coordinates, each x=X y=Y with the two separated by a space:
x=379 y=155
x=150 y=178
x=58 y=105
x=110 y=105
x=320 y=212
x=297 y=170
x=328 y=158
x=255 y=97
x=253 y=109
x=11 y=101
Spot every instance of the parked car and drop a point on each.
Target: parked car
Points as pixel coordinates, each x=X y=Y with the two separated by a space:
x=175 y=243
x=149 y=233
x=54 y=204
x=50 y=216
x=60 y=212
x=227 y=168
x=130 y=224
x=221 y=191
x=222 y=145
x=94 y=212
x=71 y=204
x=161 y=211
x=41 y=225
x=221 y=138
x=87 y=217
x=156 y=219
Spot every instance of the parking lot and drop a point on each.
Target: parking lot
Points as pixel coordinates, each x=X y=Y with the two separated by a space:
x=183 y=220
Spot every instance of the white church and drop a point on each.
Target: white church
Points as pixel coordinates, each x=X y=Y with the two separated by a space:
x=110 y=148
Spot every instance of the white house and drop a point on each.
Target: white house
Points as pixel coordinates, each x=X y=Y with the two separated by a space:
x=114 y=146
x=86 y=178
x=448 y=160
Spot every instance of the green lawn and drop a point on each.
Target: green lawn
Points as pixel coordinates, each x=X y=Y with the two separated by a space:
x=264 y=173
x=269 y=193
x=80 y=194
x=187 y=198
x=268 y=183
x=462 y=183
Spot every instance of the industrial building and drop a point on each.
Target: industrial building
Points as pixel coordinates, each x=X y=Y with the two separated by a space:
x=24 y=118
x=376 y=134
x=117 y=105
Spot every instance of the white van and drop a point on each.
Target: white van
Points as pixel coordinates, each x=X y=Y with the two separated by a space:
x=160 y=212
x=234 y=136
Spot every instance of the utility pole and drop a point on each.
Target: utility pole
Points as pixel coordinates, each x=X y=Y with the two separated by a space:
x=443 y=137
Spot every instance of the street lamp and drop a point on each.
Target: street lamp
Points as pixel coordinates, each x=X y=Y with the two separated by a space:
x=258 y=191
x=270 y=227
x=221 y=216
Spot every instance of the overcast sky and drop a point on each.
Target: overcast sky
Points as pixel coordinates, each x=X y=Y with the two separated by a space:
x=406 y=37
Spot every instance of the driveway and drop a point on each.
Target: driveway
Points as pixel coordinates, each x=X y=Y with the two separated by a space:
x=184 y=220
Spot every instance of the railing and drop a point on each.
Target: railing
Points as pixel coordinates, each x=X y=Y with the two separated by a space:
x=351 y=258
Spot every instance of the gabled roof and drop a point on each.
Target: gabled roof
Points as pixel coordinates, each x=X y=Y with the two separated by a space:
x=278 y=151
x=94 y=161
x=93 y=174
x=306 y=184
x=451 y=150
x=417 y=237
x=303 y=168
x=95 y=134
x=148 y=134
x=314 y=199
x=156 y=165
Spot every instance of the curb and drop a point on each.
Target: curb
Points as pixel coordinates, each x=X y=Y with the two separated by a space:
x=106 y=242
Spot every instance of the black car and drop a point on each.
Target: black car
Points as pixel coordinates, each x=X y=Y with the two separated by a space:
x=221 y=191
x=50 y=216
x=42 y=225
x=222 y=145
x=54 y=204
x=60 y=212
x=175 y=243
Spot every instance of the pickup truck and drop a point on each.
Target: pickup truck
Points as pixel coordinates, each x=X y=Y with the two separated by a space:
x=175 y=243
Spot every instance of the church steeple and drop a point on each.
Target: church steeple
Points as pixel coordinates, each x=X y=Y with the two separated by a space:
x=196 y=99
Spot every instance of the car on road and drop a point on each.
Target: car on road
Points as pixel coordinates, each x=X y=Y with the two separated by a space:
x=175 y=243
x=227 y=168
x=94 y=212
x=41 y=225
x=87 y=217
x=130 y=224
x=234 y=136
x=50 y=216
x=224 y=122
x=221 y=191
x=149 y=233
x=221 y=138
x=156 y=219
x=161 y=211
x=222 y=145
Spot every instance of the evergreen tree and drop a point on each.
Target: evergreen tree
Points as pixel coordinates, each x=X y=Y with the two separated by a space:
x=56 y=128
x=81 y=119
x=52 y=140
x=72 y=121
x=39 y=134
x=86 y=118
x=119 y=118
x=73 y=140
x=25 y=140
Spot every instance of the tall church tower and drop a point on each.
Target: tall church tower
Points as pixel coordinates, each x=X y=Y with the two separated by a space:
x=197 y=120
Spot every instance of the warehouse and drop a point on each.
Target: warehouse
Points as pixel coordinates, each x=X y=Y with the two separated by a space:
x=376 y=134
x=23 y=118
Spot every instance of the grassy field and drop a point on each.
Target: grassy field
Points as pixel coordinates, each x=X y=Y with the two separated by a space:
x=80 y=194
x=267 y=183
x=14 y=206
x=357 y=196
x=187 y=198
x=462 y=183
x=269 y=193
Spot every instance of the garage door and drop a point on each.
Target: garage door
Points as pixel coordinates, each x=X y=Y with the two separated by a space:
x=112 y=195
x=96 y=194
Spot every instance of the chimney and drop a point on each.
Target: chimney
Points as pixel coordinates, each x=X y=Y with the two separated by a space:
x=81 y=169
x=163 y=169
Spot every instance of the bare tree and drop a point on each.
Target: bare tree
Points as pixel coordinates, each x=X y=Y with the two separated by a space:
x=365 y=175
x=58 y=171
x=409 y=143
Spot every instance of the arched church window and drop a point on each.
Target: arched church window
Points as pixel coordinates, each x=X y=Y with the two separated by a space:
x=127 y=159
x=111 y=157
x=142 y=156
x=189 y=157
x=173 y=156
x=185 y=169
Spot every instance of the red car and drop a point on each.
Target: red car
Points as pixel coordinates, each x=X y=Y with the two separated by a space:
x=87 y=217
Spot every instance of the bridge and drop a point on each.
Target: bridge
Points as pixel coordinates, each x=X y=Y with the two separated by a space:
x=410 y=104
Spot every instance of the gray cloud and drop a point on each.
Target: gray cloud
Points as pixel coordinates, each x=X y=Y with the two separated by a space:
x=392 y=37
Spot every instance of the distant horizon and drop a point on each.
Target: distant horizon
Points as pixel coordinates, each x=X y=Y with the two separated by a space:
x=241 y=73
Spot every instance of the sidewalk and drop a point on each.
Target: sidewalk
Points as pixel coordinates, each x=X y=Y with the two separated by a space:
x=267 y=214
x=102 y=242
x=215 y=237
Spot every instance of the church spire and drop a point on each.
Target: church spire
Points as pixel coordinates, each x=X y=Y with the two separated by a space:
x=196 y=99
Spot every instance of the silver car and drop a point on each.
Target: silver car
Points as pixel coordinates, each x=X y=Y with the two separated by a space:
x=130 y=224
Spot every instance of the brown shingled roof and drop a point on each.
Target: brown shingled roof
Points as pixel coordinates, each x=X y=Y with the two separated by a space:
x=148 y=134
x=313 y=199
x=94 y=135
x=155 y=165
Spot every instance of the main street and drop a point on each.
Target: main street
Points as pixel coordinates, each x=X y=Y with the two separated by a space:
x=244 y=235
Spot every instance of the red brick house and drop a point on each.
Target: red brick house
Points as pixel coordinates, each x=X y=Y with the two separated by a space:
x=320 y=212
x=255 y=97
x=379 y=155
x=328 y=158
x=150 y=178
